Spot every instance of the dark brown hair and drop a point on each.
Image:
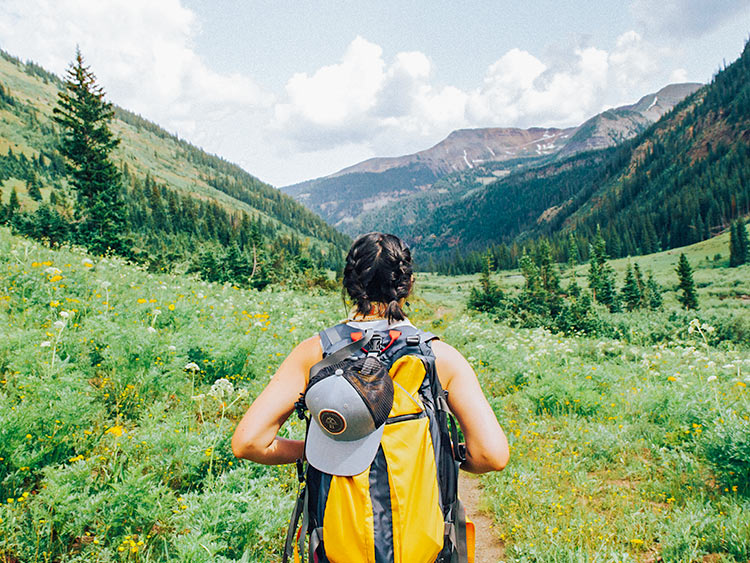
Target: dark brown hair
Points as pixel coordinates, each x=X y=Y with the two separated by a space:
x=378 y=269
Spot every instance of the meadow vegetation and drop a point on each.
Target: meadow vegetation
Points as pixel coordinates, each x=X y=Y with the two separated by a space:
x=120 y=388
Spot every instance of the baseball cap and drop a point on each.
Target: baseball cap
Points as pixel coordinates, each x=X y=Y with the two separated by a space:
x=349 y=403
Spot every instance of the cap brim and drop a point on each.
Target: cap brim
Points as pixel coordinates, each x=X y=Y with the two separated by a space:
x=339 y=457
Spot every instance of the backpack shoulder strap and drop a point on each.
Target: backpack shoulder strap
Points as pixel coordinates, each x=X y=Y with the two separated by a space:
x=333 y=337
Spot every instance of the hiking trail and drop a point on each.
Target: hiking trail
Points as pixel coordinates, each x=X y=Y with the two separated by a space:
x=489 y=548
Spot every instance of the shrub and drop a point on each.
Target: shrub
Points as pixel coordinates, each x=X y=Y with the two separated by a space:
x=726 y=446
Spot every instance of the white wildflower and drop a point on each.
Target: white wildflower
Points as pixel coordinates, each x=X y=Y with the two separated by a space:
x=198 y=397
x=171 y=348
x=52 y=271
x=151 y=329
x=59 y=324
x=64 y=314
x=221 y=389
x=191 y=366
x=157 y=312
x=46 y=344
x=105 y=284
x=711 y=379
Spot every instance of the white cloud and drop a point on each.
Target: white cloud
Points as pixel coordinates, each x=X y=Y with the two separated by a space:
x=365 y=104
x=141 y=52
x=678 y=75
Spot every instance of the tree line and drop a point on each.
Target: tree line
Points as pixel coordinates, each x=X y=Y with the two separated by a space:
x=113 y=210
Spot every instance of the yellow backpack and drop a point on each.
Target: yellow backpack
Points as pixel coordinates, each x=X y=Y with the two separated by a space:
x=404 y=507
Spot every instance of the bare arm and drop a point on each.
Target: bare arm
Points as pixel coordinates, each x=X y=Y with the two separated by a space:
x=486 y=444
x=256 y=435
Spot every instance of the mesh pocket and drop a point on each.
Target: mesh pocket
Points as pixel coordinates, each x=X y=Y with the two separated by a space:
x=370 y=378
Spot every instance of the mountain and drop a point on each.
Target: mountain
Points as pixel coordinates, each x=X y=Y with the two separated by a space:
x=354 y=196
x=179 y=199
x=680 y=181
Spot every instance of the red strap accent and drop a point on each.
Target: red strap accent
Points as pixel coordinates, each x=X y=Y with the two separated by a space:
x=394 y=334
x=356 y=336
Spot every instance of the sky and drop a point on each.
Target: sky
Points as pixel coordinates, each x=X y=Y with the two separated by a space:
x=297 y=89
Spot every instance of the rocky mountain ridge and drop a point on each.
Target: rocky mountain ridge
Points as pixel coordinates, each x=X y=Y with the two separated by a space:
x=347 y=196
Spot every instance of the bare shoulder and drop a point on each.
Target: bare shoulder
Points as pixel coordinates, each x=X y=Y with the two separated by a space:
x=450 y=363
x=308 y=352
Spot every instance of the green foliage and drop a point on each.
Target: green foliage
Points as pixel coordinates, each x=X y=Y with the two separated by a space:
x=738 y=244
x=109 y=437
x=689 y=296
x=87 y=142
x=488 y=297
x=726 y=445
x=602 y=276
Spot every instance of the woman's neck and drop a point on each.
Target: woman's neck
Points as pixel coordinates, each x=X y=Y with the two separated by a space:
x=377 y=312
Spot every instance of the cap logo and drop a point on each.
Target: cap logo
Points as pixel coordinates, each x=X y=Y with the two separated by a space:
x=332 y=422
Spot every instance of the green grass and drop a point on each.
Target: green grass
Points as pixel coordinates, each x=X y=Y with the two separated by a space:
x=113 y=449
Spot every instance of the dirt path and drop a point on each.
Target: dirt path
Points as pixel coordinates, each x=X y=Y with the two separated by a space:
x=489 y=548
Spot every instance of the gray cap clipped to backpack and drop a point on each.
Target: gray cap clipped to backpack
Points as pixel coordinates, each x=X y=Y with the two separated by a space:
x=349 y=402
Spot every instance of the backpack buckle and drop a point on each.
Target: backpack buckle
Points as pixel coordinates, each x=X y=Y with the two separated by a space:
x=376 y=345
x=413 y=340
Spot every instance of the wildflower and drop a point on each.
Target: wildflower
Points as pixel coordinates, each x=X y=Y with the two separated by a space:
x=64 y=314
x=115 y=430
x=87 y=263
x=151 y=329
x=46 y=344
x=191 y=366
x=59 y=324
x=105 y=284
x=52 y=271
x=711 y=379
x=171 y=348
x=221 y=388
x=671 y=378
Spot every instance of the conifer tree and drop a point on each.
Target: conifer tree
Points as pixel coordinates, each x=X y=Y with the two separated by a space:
x=689 y=296
x=488 y=296
x=735 y=248
x=32 y=188
x=631 y=292
x=640 y=283
x=652 y=293
x=742 y=242
x=86 y=144
x=601 y=274
x=14 y=206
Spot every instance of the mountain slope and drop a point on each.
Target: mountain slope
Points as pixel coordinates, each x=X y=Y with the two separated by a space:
x=677 y=183
x=352 y=198
x=158 y=168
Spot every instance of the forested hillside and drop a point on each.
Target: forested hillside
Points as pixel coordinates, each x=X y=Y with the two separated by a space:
x=393 y=191
x=681 y=181
x=183 y=206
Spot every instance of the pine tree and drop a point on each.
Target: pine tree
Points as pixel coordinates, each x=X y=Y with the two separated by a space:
x=86 y=144
x=631 y=292
x=14 y=206
x=742 y=241
x=487 y=297
x=689 y=296
x=32 y=188
x=601 y=275
x=652 y=294
x=640 y=283
x=735 y=246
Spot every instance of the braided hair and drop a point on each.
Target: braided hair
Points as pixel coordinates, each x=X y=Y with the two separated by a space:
x=378 y=270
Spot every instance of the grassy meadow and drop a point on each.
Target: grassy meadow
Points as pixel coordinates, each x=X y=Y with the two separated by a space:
x=120 y=389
